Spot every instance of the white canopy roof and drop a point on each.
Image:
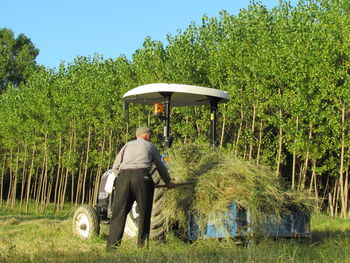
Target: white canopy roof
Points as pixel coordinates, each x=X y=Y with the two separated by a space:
x=182 y=95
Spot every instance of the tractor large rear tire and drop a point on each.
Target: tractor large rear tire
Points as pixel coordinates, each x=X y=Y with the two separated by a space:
x=157 y=220
x=85 y=222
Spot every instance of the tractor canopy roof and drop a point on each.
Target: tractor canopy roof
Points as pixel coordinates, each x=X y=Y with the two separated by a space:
x=181 y=94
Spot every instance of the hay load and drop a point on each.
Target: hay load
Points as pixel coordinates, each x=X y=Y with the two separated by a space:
x=220 y=179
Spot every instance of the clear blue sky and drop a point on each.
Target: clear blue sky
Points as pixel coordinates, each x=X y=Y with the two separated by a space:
x=64 y=29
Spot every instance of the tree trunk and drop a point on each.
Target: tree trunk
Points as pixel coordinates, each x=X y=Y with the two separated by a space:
x=252 y=130
x=59 y=181
x=41 y=179
x=45 y=181
x=239 y=133
x=127 y=132
x=347 y=189
x=31 y=169
x=2 y=180
x=330 y=205
x=336 y=199
x=80 y=175
x=313 y=181
x=40 y=185
x=33 y=190
x=110 y=146
x=14 y=191
x=333 y=199
x=10 y=183
x=280 y=143
x=223 y=127
x=72 y=148
x=90 y=188
x=344 y=208
x=49 y=189
x=259 y=145
x=245 y=152
x=64 y=188
x=294 y=155
x=23 y=176
x=74 y=144
x=86 y=165
x=198 y=127
x=306 y=163
x=99 y=171
x=58 y=174
x=325 y=193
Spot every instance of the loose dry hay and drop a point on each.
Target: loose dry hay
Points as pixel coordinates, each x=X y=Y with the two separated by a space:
x=221 y=180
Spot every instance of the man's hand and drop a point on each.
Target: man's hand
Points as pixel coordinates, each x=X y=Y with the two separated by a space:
x=170 y=185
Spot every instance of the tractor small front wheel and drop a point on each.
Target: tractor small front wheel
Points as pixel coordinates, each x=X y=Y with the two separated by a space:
x=85 y=222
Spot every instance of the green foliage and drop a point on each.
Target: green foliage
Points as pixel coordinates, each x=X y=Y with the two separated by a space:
x=286 y=71
x=17 y=58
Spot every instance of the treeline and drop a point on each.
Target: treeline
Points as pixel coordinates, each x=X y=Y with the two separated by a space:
x=286 y=71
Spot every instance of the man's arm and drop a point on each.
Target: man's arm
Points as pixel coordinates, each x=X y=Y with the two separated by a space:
x=163 y=171
x=119 y=159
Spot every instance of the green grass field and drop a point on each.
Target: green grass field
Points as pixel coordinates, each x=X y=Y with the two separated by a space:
x=47 y=238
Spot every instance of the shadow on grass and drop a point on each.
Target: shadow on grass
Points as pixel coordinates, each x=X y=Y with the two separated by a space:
x=86 y=257
x=319 y=236
x=49 y=214
x=14 y=220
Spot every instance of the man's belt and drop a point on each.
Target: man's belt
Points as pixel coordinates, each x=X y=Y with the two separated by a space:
x=134 y=170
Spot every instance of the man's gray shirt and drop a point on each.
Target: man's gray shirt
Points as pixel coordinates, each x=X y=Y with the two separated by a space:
x=140 y=153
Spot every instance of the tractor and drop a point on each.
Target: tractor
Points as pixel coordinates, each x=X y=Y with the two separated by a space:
x=87 y=219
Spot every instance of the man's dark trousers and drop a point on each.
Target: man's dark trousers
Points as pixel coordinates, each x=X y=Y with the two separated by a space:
x=131 y=185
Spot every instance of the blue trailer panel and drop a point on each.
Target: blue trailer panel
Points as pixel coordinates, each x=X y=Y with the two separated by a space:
x=294 y=222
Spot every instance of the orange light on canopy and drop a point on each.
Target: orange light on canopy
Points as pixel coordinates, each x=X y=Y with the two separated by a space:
x=157 y=109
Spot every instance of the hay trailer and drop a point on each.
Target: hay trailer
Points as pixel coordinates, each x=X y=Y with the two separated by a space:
x=87 y=219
